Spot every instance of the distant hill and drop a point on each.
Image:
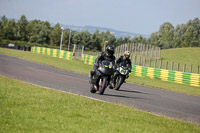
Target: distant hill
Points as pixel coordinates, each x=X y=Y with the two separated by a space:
x=92 y=29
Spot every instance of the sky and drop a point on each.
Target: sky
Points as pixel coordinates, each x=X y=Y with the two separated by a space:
x=135 y=16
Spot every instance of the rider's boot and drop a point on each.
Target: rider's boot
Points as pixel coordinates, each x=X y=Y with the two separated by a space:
x=91 y=76
x=111 y=83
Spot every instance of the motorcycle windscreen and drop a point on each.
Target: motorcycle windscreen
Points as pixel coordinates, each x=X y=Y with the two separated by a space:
x=106 y=68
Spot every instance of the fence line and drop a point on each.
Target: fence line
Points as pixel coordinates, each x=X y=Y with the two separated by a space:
x=145 y=50
x=142 y=55
x=164 y=64
x=148 y=51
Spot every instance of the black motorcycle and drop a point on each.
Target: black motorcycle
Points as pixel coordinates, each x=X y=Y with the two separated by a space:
x=120 y=75
x=101 y=77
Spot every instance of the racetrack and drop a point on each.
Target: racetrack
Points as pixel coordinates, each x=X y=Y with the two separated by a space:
x=157 y=101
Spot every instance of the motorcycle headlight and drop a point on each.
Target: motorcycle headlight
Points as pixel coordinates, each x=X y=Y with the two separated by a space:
x=122 y=71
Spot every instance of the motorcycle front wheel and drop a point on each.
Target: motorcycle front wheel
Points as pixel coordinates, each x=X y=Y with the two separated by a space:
x=119 y=81
x=102 y=85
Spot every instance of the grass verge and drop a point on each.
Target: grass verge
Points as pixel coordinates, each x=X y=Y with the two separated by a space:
x=189 y=55
x=29 y=108
x=78 y=67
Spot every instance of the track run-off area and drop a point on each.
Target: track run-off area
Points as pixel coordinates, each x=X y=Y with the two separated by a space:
x=157 y=101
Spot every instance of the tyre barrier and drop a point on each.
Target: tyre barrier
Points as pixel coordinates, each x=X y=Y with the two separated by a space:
x=17 y=47
x=191 y=79
x=53 y=52
x=88 y=59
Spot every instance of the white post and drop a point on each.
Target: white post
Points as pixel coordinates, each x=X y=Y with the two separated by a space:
x=61 y=38
x=105 y=45
x=69 y=39
x=74 y=48
x=82 y=49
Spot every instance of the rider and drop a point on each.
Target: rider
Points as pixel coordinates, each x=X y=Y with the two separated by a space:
x=107 y=55
x=125 y=59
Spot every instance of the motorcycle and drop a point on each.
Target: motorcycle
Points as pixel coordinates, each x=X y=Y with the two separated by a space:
x=120 y=75
x=101 y=77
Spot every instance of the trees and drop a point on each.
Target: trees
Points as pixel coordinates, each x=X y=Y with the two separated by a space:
x=21 y=28
x=3 y=24
x=119 y=41
x=9 y=30
x=55 y=35
x=95 y=41
x=184 y=35
x=85 y=38
x=139 y=39
x=166 y=35
x=66 y=37
x=45 y=30
x=179 y=35
x=110 y=38
x=89 y=41
x=36 y=31
x=155 y=39
x=191 y=35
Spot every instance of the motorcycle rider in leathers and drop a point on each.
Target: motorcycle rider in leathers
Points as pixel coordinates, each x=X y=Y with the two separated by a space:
x=125 y=59
x=107 y=55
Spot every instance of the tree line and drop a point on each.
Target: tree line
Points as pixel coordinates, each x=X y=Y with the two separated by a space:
x=41 y=32
x=184 y=35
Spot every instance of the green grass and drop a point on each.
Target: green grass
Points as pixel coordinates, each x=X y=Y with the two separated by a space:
x=29 y=108
x=79 y=67
x=182 y=55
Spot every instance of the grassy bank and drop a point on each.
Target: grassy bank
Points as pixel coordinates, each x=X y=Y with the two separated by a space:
x=177 y=59
x=28 y=108
x=186 y=57
x=79 y=67
x=182 y=55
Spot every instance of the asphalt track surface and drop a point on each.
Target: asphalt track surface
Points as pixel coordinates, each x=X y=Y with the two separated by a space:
x=161 y=102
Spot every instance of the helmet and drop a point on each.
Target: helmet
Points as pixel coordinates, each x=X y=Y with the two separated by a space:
x=110 y=50
x=127 y=54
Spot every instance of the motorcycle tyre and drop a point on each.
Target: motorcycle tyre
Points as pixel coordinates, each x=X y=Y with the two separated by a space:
x=119 y=83
x=103 y=87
